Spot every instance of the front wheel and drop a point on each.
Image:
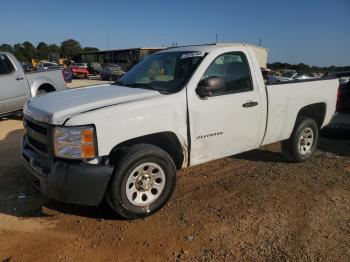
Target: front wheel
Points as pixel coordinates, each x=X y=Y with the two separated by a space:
x=143 y=181
x=302 y=143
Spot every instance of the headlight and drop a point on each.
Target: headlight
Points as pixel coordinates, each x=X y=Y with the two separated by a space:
x=75 y=142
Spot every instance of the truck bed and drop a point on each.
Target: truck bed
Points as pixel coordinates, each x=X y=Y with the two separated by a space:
x=53 y=77
x=286 y=99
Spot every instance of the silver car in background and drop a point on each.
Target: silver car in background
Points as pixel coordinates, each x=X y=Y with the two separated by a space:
x=16 y=86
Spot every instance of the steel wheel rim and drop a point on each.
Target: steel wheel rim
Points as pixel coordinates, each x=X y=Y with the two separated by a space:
x=306 y=141
x=145 y=184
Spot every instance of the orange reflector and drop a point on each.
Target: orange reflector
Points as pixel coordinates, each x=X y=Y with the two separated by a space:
x=87 y=136
x=88 y=151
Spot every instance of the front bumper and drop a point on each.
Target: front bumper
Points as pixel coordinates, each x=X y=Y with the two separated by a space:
x=71 y=182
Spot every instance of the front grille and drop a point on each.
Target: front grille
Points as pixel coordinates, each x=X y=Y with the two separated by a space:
x=42 y=147
x=37 y=135
x=36 y=127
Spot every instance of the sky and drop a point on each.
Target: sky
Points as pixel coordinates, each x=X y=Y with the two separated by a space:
x=314 y=32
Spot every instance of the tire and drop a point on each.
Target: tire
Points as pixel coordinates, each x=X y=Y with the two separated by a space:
x=134 y=193
x=303 y=141
x=41 y=92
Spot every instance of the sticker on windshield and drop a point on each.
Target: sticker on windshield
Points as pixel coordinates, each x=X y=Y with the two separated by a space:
x=192 y=54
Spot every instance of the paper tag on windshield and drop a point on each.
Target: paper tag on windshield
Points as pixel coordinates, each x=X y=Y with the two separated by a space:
x=192 y=54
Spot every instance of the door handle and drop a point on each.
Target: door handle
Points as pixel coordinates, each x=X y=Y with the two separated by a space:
x=250 y=104
x=18 y=78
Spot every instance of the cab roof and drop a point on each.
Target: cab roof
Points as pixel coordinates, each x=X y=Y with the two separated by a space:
x=207 y=48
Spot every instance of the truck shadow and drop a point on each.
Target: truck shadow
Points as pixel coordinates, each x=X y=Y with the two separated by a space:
x=336 y=142
x=261 y=155
x=103 y=211
x=19 y=198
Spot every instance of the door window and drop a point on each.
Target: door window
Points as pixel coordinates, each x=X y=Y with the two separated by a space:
x=6 y=66
x=233 y=67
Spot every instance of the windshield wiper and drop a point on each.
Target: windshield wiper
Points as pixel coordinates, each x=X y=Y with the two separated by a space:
x=139 y=85
x=142 y=85
x=131 y=85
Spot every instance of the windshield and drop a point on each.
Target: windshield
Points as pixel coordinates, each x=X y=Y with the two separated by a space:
x=164 y=72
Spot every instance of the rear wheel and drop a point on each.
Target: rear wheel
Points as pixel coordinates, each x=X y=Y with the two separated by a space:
x=303 y=141
x=41 y=92
x=143 y=181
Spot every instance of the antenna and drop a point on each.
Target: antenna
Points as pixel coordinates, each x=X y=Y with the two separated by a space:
x=216 y=38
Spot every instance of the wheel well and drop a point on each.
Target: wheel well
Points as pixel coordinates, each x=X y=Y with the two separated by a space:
x=315 y=111
x=47 y=87
x=167 y=141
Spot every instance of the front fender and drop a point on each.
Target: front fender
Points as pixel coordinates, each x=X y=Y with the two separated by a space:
x=123 y=122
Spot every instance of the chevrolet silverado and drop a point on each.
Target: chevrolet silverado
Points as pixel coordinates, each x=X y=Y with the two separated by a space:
x=178 y=108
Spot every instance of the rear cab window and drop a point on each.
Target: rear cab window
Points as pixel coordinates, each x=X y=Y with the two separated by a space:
x=6 y=66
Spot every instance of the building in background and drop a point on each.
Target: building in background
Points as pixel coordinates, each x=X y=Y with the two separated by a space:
x=127 y=58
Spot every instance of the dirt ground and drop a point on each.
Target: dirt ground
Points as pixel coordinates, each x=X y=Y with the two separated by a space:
x=253 y=206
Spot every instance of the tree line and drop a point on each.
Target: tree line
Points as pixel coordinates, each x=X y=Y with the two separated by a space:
x=26 y=51
x=303 y=68
x=70 y=48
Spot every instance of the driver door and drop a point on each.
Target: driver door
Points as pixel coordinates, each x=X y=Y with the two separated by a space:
x=13 y=86
x=229 y=121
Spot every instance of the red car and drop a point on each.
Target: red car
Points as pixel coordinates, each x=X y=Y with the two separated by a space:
x=79 y=72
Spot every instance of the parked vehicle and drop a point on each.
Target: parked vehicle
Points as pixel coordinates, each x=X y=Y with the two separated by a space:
x=111 y=72
x=43 y=66
x=79 y=72
x=340 y=123
x=95 y=68
x=16 y=86
x=291 y=76
x=343 y=103
x=27 y=67
x=343 y=76
x=177 y=108
x=81 y=65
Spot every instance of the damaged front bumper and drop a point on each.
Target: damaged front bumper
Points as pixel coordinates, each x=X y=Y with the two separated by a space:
x=74 y=182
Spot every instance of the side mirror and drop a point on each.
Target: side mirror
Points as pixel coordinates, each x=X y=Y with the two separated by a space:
x=206 y=87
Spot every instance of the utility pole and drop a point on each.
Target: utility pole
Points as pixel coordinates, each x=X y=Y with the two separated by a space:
x=216 y=38
x=108 y=40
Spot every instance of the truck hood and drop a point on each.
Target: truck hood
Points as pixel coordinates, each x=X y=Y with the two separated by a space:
x=55 y=108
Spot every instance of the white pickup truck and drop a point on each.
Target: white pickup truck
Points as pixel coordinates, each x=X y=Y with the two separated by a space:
x=178 y=108
x=16 y=86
